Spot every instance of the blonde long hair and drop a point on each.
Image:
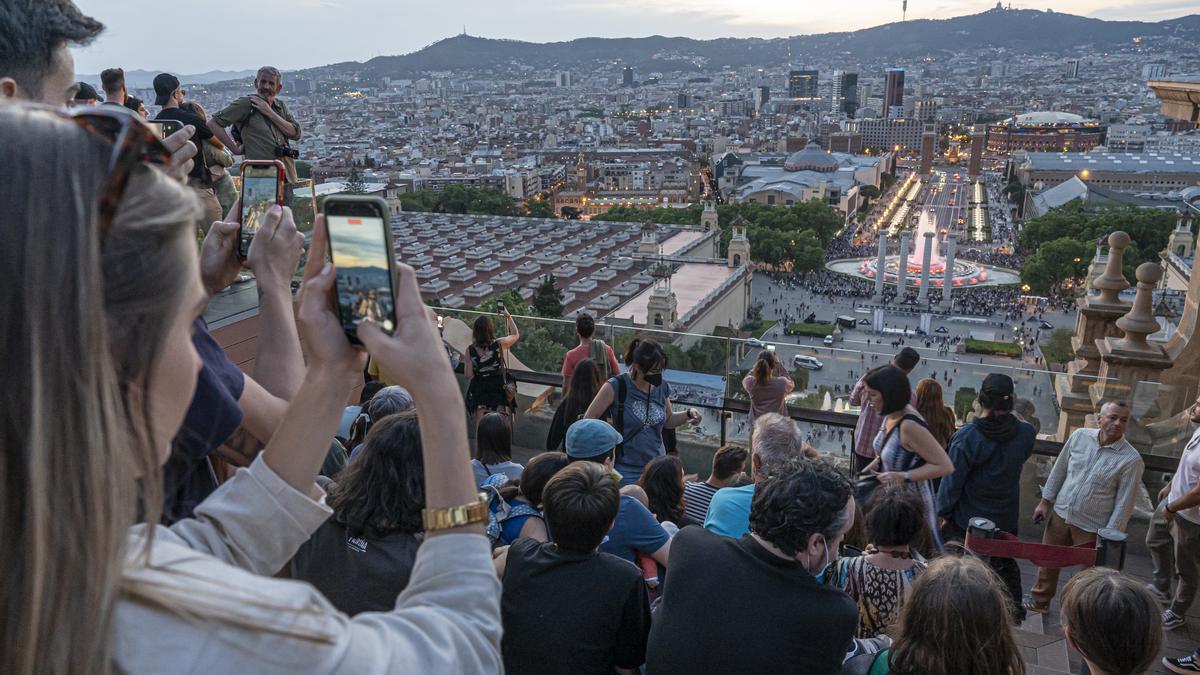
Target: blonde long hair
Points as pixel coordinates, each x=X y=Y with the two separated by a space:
x=932 y=406
x=81 y=323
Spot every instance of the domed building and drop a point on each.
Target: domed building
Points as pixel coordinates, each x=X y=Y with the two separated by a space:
x=810 y=173
x=1045 y=131
x=811 y=158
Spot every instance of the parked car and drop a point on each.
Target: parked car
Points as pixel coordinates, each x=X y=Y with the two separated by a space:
x=808 y=362
x=827 y=341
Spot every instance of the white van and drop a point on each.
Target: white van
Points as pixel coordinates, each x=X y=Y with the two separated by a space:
x=809 y=362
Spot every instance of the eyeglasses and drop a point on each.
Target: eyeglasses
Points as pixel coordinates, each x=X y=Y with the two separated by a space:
x=133 y=142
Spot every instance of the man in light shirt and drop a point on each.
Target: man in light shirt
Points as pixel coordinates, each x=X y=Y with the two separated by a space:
x=1092 y=486
x=1174 y=534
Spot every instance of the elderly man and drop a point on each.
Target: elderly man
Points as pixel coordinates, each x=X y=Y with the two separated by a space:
x=263 y=121
x=1092 y=486
x=1174 y=534
x=777 y=440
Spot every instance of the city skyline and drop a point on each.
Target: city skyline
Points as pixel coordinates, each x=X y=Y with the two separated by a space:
x=137 y=37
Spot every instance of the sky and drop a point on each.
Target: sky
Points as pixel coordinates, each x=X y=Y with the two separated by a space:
x=357 y=245
x=190 y=37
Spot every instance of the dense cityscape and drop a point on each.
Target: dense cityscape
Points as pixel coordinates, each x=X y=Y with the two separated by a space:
x=851 y=353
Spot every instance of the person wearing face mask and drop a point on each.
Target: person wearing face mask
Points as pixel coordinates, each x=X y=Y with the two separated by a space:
x=638 y=405
x=761 y=593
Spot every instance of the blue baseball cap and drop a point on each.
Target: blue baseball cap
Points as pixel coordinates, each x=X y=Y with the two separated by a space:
x=589 y=438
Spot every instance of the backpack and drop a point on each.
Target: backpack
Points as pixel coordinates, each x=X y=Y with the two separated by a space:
x=598 y=353
x=499 y=510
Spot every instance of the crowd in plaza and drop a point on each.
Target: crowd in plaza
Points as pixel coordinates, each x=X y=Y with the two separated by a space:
x=165 y=511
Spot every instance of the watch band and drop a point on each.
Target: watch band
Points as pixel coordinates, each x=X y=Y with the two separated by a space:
x=456 y=516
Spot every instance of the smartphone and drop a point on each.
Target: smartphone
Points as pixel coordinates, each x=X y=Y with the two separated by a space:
x=360 y=243
x=164 y=128
x=262 y=186
x=771 y=348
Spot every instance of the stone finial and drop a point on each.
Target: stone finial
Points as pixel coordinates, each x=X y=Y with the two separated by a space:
x=1113 y=280
x=1139 y=322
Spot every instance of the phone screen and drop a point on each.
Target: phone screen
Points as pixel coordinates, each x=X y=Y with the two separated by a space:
x=360 y=253
x=164 y=128
x=260 y=189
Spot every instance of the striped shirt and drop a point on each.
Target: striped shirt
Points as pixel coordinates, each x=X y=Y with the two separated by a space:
x=696 y=497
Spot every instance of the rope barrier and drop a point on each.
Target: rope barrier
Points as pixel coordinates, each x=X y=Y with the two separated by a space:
x=1005 y=545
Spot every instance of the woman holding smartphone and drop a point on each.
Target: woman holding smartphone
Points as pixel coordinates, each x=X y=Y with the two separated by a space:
x=485 y=366
x=98 y=589
x=768 y=385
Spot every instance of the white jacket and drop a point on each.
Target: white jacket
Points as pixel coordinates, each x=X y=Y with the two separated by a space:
x=218 y=564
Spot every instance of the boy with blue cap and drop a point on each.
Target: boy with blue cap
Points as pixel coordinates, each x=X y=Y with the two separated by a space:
x=635 y=528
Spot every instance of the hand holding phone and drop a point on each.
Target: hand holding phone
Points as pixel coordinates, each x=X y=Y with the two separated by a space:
x=360 y=243
x=262 y=186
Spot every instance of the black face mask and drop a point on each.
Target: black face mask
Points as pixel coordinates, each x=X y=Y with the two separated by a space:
x=654 y=379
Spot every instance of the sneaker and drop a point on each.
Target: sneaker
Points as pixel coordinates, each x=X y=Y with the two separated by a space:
x=1160 y=596
x=1184 y=664
x=1031 y=605
x=1171 y=620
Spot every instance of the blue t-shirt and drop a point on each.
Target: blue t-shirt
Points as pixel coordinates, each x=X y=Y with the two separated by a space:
x=645 y=415
x=729 y=511
x=634 y=530
x=211 y=419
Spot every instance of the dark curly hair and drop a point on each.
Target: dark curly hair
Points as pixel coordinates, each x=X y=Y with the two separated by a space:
x=662 y=479
x=797 y=499
x=382 y=490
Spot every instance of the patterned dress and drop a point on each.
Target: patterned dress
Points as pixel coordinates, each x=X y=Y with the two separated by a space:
x=895 y=457
x=879 y=593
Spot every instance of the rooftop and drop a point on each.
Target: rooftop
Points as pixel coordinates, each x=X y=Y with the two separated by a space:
x=1043 y=118
x=1135 y=162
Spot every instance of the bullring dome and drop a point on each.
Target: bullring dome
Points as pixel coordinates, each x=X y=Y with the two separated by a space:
x=811 y=158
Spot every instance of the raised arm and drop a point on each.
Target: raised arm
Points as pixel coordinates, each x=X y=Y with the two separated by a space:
x=274 y=256
x=222 y=135
x=514 y=335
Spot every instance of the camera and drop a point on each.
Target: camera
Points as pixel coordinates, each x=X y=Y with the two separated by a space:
x=285 y=151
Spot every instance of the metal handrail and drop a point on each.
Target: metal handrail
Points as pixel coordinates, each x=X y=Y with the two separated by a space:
x=1043 y=447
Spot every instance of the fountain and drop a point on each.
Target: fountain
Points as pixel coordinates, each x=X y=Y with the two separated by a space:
x=827 y=402
x=961 y=273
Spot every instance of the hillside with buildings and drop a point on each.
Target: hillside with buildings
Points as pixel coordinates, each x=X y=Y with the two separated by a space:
x=1022 y=31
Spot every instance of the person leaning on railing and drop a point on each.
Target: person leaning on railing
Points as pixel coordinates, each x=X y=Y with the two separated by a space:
x=93 y=593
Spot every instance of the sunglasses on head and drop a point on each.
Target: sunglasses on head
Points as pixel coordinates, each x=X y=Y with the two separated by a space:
x=133 y=142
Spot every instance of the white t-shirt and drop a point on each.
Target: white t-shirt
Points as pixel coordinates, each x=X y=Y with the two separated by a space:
x=1186 y=477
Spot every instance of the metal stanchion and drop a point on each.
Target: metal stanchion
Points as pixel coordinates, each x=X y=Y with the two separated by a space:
x=1110 y=548
x=982 y=528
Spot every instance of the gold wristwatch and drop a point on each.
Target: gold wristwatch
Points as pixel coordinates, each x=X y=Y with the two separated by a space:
x=456 y=516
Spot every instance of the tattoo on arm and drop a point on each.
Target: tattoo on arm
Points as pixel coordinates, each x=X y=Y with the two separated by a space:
x=241 y=448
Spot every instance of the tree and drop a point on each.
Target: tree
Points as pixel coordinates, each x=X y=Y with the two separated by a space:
x=539 y=208
x=354 y=183
x=459 y=199
x=1055 y=262
x=868 y=193
x=1058 y=348
x=570 y=213
x=547 y=299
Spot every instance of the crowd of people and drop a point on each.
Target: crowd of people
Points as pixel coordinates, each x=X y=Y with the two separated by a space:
x=167 y=512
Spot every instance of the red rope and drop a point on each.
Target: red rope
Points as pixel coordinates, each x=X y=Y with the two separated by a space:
x=1006 y=545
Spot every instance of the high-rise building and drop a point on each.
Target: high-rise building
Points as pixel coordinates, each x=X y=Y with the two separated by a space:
x=802 y=84
x=925 y=109
x=1073 y=69
x=762 y=94
x=844 y=94
x=627 y=76
x=684 y=100
x=893 y=92
x=563 y=80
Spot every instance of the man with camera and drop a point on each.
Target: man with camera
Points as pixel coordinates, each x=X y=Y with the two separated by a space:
x=262 y=124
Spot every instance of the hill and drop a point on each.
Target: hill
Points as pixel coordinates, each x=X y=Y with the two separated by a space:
x=1018 y=31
